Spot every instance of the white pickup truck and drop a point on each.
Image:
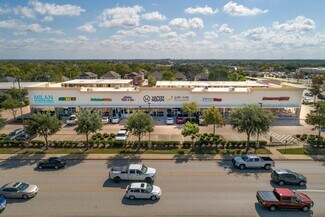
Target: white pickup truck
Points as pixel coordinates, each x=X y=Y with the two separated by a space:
x=252 y=161
x=137 y=172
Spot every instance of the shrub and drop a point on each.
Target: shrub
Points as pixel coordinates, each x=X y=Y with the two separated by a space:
x=165 y=144
x=298 y=136
x=181 y=152
x=187 y=144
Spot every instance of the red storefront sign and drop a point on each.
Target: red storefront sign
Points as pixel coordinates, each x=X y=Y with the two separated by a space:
x=277 y=98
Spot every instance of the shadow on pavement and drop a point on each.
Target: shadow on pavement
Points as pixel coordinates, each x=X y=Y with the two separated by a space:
x=287 y=122
x=123 y=159
x=264 y=212
x=137 y=202
x=319 y=158
x=74 y=159
x=292 y=187
x=48 y=169
x=21 y=160
x=184 y=158
x=17 y=200
x=111 y=184
x=231 y=169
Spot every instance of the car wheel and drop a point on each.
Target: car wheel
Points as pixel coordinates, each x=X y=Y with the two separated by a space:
x=267 y=166
x=56 y=167
x=272 y=208
x=40 y=167
x=281 y=182
x=302 y=183
x=117 y=179
x=241 y=166
x=153 y=198
x=25 y=196
x=131 y=197
x=2 y=196
x=148 y=180
x=305 y=208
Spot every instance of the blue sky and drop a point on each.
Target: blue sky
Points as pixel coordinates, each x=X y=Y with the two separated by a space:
x=213 y=29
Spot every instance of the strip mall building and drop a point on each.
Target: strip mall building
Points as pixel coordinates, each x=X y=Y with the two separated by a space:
x=120 y=97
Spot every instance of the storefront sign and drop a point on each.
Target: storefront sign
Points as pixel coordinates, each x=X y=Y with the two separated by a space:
x=178 y=99
x=67 y=98
x=128 y=98
x=44 y=99
x=100 y=99
x=212 y=99
x=277 y=98
x=148 y=98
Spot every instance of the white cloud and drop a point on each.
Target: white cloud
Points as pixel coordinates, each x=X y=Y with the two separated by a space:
x=165 y=28
x=120 y=16
x=182 y=23
x=82 y=38
x=5 y=10
x=206 y=10
x=224 y=28
x=210 y=35
x=87 y=27
x=190 y=34
x=56 y=10
x=48 y=19
x=153 y=16
x=234 y=9
x=300 y=23
x=254 y=34
x=23 y=27
x=142 y=30
x=169 y=35
x=25 y=12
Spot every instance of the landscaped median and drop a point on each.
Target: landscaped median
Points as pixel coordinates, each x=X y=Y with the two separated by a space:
x=303 y=151
x=105 y=144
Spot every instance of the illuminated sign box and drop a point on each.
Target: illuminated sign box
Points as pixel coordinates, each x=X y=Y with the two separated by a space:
x=276 y=98
x=67 y=98
x=100 y=99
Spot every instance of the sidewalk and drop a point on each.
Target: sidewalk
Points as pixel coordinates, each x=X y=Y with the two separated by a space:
x=132 y=157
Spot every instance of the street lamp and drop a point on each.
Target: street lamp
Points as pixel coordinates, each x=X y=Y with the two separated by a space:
x=261 y=104
x=149 y=114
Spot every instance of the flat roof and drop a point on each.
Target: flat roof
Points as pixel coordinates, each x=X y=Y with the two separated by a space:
x=9 y=85
x=221 y=89
x=99 y=81
x=211 y=83
x=109 y=89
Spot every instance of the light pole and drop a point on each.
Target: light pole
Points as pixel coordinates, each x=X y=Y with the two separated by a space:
x=149 y=114
x=261 y=104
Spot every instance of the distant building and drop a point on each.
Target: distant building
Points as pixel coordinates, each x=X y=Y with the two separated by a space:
x=137 y=77
x=157 y=75
x=87 y=75
x=180 y=76
x=312 y=70
x=111 y=75
x=231 y=68
x=203 y=76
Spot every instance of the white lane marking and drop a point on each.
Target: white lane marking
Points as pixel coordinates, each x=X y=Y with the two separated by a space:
x=320 y=191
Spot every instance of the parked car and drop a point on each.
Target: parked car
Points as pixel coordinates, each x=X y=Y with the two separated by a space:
x=23 y=136
x=142 y=190
x=285 y=176
x=252 y=161
x=169 y=121
x=307 y=100
x=12 y=135
x=18 y=190
x=52 y=162
x=105 y=120
x=115 y=120
x=122 y=135
x=201 y=121
x=321 y=96
x=180 y=120
x=3 y=204
x=308 y=94
x=72 y=120
x=137 y=172
x=283 y=198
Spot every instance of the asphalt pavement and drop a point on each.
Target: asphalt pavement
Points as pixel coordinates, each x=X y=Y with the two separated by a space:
x=189 y=188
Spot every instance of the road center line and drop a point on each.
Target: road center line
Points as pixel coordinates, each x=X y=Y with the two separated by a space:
x=320 y=191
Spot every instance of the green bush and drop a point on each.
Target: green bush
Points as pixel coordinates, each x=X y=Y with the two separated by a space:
x=187 y=144
x=181 y=152
x=298 y=136
x=165 y=144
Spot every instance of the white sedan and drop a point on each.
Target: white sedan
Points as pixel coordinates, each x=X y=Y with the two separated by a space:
x=105 y=120
x=142 y=190
x=169 y=121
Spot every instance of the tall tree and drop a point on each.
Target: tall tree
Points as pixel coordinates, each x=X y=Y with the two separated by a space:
x=263 y=123
x=2 y=122
x=139 y=123
x=151 y=81
x=190 y=108
x=212 y=116
x=168 y=76
x=88 y=122
x=316 y=118
x=43 y=125
x=190 y=130
x=11 y=104
x=249 y=120
x=317 y=83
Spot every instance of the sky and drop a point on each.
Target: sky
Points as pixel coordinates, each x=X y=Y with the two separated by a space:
x=152 y=29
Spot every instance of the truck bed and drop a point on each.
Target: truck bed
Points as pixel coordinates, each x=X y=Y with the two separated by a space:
x=267 y=196
x=266 y=159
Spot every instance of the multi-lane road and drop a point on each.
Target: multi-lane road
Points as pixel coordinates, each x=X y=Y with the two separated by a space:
x=194 y=188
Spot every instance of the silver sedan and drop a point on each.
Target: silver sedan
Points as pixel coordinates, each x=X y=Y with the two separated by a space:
x=18 y=190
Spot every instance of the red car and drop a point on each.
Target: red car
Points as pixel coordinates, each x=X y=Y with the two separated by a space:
x=284 y=198
x=180 y=120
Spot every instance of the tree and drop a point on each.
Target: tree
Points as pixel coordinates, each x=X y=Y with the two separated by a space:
x=43 y=125
x=151 y=81
x=190 y=130
x=139 y=123
x=190 y=108
x=212 y=116
x=263 y=124
x=250 y=119
x=316 y=86
x=11 y=104
x=236 y=77
x=17 y=94
x=168 y=76
x=317 y=118
x=2 y=122
x=88 y=122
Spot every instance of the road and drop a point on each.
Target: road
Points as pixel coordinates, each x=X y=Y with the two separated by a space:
x=193 y=188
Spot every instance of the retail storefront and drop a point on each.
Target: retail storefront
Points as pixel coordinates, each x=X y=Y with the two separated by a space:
x=163 y=101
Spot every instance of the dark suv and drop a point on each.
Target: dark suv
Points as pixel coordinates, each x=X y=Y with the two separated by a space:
x=284 y=176
x=52 y=162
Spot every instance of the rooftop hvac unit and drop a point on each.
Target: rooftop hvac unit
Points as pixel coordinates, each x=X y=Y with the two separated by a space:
x=231 y=89
x=117 y=86
x=206 y=88
x=89 y=89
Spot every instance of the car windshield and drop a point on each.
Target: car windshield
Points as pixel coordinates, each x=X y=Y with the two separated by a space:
x=149 y=188
x=244 y=157
x=120 y=134
x=144 y=169
x=22 y=186
x=72 y=118
x=298 y=197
